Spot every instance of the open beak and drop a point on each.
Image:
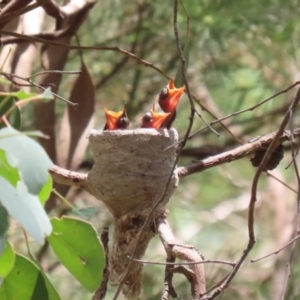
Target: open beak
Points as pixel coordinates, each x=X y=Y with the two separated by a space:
x=170 y=96
x=116 y=120
x=153 y=119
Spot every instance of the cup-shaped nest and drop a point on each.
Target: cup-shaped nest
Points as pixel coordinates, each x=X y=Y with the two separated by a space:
x=132 y=168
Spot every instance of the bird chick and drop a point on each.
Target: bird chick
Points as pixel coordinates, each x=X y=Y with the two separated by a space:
x=116 y=120
x=168 y=100
x=154 y=120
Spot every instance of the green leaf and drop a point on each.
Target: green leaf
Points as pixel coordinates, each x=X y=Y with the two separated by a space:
x=26 y=209
x=4 y=223
x=2 y=247
x=179 y=81
x=22 y=95
x=45 y=192
x=5 y=104
x=76 y=244
x=15 y=117
x=26 y=282
x=7 y=260
x=31 y=159
x=3 y=220
x=86 y=213
x=7 y=168
x=53 y=294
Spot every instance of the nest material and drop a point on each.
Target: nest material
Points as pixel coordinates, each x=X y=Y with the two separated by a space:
x=131 y=171
x=274 y=160
x=132 y=168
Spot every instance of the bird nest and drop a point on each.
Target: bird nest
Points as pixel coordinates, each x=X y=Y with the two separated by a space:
x=131 y=173
x=132 y=168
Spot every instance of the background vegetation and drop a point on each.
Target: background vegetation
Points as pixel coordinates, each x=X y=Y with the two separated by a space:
x=240 y=52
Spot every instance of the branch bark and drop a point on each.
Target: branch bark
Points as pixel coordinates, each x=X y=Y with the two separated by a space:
x=71 y=178
x=235 y=154
x=195 y=273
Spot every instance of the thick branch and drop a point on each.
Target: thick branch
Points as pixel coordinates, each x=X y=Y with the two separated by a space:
x=67 y=177
x=235 y=154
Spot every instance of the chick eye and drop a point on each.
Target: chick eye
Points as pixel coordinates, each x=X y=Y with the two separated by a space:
x=147 y=117
x=163 y=94
x=123 y=121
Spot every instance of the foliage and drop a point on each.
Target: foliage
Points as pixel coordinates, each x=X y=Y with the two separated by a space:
x=25 y=186
x=239 y=53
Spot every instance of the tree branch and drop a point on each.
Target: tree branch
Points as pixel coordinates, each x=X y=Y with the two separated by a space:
x=195 y=272
x=236 y=153
x=67 y=177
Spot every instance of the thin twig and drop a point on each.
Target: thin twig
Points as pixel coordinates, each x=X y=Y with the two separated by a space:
x=51 y=72
x=33 y=38
x=246 y=109
x=183 y=264
x=7 y=75
x=277 y=251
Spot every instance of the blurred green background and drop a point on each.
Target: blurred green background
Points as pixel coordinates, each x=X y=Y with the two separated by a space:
x=240 y=52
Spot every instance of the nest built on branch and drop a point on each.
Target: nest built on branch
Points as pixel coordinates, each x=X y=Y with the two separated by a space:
x=130 y=174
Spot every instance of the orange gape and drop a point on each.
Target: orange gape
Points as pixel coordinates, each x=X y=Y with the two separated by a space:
x=154 y=120
x=116 y=120
x=168 y=100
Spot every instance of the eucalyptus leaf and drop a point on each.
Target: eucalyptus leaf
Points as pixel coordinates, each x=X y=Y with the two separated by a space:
x=8 y=168
x=2 y=247
x=7 y=260
x=14 y=118
x=22 y=95
x=26 y=282
x=31 y=159
x=46 y=190
x=3 y=220
x=26 y=209
x=77 y=245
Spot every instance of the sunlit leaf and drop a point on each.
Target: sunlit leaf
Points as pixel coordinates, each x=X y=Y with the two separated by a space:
x=45 y=192
x=7 y=260
x=7 y=168
x=22 y=95
x=76 y=244
x=26 y=209
x=31 y=159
